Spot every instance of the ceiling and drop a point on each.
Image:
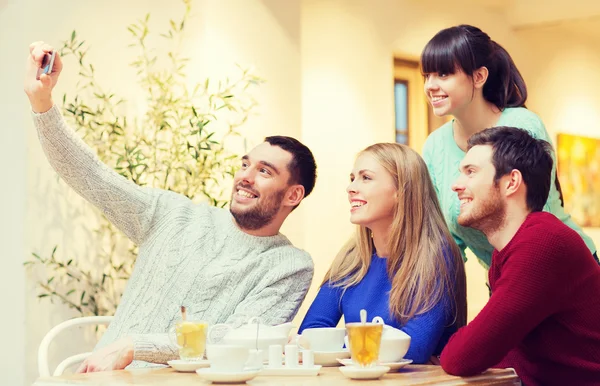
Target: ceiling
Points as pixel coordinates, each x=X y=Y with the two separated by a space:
x=525 y=13
x=573 y=16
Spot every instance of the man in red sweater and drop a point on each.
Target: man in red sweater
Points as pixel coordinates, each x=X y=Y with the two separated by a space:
x=543 y=317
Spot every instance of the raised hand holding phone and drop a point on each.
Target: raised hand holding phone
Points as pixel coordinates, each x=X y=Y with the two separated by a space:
x=47 y=64
x=43 y=69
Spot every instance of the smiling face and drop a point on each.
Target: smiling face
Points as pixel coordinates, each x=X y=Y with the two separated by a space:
x=448 y=94
x=372 y=194
x=482 y=206
x=260 y=186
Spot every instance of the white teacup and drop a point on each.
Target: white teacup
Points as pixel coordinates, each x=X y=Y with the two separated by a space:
x=393 y=349
x=394 y=343
x=227 y=358
x=322 y=339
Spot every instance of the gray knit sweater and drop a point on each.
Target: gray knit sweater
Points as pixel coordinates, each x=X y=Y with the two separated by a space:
x=189 y=254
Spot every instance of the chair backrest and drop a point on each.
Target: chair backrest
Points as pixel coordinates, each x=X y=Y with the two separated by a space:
x=43 y=366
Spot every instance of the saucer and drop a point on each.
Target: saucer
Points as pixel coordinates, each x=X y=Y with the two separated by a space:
x=354 y=372
x=396 y=365
x=329 y=358
x=227 y=377
x=392 y=365
x=299 y=370
x=188 y=366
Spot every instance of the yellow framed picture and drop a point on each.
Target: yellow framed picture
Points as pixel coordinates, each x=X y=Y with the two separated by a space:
x=578 y=160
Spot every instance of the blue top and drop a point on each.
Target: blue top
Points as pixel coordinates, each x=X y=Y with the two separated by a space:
x=429 y=332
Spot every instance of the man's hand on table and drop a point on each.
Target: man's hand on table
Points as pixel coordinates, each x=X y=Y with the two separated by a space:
x=115 y=356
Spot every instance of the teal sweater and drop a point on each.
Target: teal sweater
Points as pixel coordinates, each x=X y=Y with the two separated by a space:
x=442 y=156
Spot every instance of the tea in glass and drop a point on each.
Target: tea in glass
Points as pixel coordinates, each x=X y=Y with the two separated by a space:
x=364 y=341
x=191 y=339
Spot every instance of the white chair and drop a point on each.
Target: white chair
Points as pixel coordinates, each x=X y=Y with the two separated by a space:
x=43 y=366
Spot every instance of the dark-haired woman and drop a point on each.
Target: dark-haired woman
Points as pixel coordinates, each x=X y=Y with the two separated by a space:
x=472 y=78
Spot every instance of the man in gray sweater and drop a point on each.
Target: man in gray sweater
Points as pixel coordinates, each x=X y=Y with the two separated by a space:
x=225 y=266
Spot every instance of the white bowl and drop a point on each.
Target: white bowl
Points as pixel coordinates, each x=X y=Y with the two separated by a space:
x=224 y=358
x=393 y=349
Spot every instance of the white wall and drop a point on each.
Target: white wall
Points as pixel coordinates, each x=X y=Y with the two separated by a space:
x=562 y=73
x=12 y=195
x=266 y=35
x=345 y=77
x=562 y=76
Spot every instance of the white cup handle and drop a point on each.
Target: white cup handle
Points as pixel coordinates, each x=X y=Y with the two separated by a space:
x=378 y=320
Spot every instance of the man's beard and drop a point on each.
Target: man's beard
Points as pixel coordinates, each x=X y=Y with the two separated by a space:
x=489 y=216
x=260 y=215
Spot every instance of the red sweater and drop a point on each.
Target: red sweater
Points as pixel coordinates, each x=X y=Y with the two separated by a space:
x=543 y=318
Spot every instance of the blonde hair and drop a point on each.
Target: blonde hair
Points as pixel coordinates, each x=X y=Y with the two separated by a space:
x=424 y=262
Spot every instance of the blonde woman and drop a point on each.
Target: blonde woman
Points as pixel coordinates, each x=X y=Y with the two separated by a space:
x=402 y=264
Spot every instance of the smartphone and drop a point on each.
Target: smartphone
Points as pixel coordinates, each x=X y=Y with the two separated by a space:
x=47 y=64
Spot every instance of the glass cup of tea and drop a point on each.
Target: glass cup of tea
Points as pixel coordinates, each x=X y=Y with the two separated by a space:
x=190 y=338
x=364 y=340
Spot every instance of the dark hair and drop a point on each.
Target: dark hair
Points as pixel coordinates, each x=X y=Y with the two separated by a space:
x=514 y=148
x=302 y=167
x=468 y=48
